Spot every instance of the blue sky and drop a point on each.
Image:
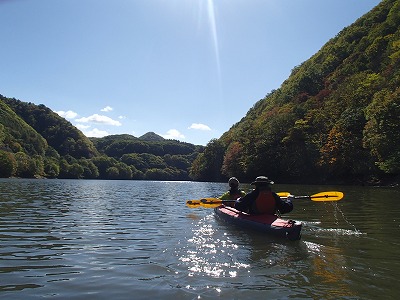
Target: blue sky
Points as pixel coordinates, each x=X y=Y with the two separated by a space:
x=184 y=69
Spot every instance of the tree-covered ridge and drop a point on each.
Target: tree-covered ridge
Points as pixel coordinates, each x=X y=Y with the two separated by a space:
x=36 y=142
x=16 y=135
x=151 y=136
x=335 y=119
x=58 y=132
x=152 y=157
x=117 y=145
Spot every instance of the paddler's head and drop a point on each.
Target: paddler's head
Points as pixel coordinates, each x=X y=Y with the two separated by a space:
x=233 y=183
x=262 y=182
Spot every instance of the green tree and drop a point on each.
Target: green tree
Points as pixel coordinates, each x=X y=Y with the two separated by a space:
x=125 y=172
x=70 y=169
x=158 y=174
x=90 y=171
x=8 y=164
x=134 y=159
x=112 y=173
x=153 y=161
x=25 y=166
x=37 y=162
x=2 y=134
x=207 y=166
x=299 y=154
x=51 y=167
x=103 y=163
x=177 y=161
x=76 y=171
x=136 y=174
x=382 y=131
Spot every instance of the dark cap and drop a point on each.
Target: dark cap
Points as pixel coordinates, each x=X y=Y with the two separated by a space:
x=233 y=181
x=262 y=180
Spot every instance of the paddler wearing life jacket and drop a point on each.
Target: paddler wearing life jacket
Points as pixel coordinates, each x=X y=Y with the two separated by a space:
x=262 y=200
x=234 y=191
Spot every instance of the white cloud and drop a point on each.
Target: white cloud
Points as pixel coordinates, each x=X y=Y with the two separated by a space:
x=99 y=119
x=121 y=117
x=198 y=126
x=107 y=108
x=173 y=134
x=67 y=114
x=82 y=127
x=96 y=133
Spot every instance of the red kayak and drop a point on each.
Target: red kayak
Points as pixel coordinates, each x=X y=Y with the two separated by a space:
x=269 y=224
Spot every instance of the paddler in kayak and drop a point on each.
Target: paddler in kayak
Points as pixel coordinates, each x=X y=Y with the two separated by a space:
x=234 y=191
x=262 y=200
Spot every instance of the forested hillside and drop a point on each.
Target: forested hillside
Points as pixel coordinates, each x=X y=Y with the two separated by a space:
x=336 y=119
x=36 y=142
x=58 y=132
x=150 y=156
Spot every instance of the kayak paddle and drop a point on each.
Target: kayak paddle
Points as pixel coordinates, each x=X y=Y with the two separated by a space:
x=323 y=196
x=215 y=202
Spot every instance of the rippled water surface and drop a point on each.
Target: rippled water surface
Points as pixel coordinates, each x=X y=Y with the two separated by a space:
x=84 y=239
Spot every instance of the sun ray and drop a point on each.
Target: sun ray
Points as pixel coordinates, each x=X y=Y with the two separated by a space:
x=213 y=28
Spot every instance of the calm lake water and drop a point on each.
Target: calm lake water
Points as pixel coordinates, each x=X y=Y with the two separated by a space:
x=91 y=239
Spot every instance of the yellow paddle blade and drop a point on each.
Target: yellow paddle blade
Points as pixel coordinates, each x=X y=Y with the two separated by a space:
x=193 y=203
x=327 y=196
x=283 y=194
x=210 y=205
x=212 y=202
x=198 y=204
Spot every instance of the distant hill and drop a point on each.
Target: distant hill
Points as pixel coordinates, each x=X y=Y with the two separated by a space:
x=150 y=156
x=37 y=142
x=151 y=136
x=336 y=119
x=118 y=145
x=57 y=131
x=117 y=137
x=16 y=135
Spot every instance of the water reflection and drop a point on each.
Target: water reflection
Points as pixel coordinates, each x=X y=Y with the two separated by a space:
x=211 y=253
x=329 y=269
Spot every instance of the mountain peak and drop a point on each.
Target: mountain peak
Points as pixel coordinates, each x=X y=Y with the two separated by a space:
x=151 y=136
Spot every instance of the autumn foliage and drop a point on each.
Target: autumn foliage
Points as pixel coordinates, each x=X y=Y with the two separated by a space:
x=336 y=119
